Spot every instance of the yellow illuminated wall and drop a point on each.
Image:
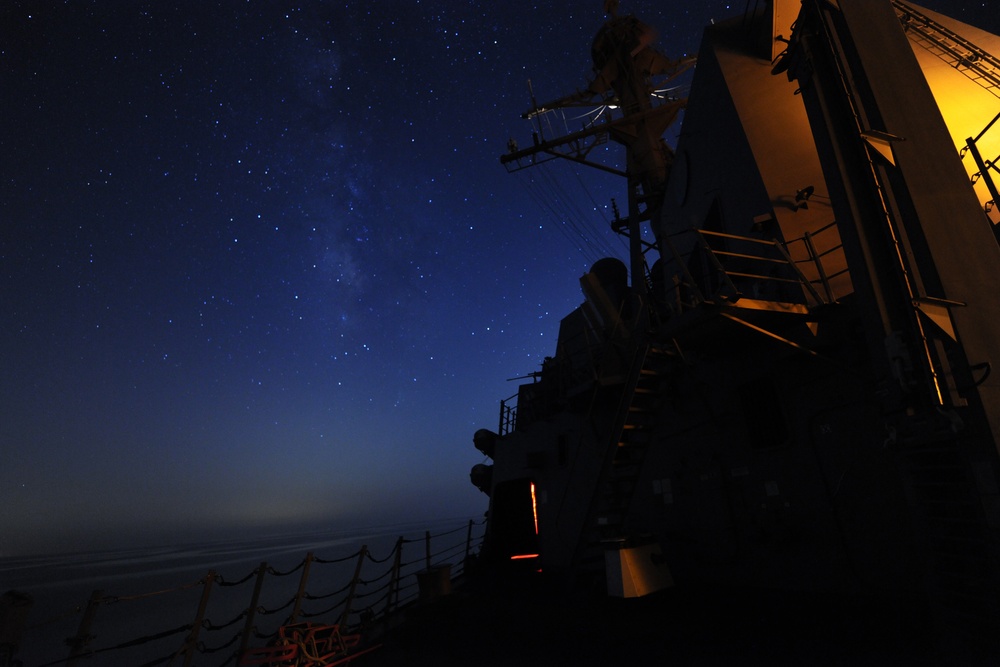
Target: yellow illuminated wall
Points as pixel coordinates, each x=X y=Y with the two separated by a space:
x=967 y=106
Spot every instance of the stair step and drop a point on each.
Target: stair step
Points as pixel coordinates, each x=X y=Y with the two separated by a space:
x=625 y=467
x=619 y=485
x=628 y=456
x=630 y=449
x=640 y=420
x=619 y=480
x=634 y=427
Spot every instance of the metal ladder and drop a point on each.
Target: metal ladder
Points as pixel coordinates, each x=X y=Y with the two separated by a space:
x=972 y=61
x=628 y=442
x=977 y=64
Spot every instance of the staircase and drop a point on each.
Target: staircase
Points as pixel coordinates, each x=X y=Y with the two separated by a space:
x=628 y=442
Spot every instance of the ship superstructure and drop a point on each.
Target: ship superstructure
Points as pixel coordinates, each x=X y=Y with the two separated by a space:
x=789 y=386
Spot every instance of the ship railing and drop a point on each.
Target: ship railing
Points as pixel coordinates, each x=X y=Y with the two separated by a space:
x=508 y=415
x=828 y=236
x=416 y=570
x=984 y=165
x=723 y=266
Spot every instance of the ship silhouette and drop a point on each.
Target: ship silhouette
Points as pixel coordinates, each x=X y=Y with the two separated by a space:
x=788 y=387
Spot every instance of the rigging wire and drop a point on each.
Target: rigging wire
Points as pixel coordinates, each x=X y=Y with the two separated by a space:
x=622 y=243
x=568 y=217
x=573 y=221
x=579 y=221
x=545 y=202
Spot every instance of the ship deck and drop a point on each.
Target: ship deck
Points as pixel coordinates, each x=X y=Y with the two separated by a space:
x=528 y=624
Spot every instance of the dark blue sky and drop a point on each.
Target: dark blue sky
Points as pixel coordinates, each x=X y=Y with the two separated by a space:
x=260 y=267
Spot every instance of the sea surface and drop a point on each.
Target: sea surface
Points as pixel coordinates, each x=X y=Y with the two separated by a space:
x=149 y=591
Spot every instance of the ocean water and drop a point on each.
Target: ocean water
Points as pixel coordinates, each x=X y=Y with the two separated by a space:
x=150 y=591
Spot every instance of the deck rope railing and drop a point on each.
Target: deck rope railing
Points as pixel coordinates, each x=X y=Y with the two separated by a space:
x=367 y=599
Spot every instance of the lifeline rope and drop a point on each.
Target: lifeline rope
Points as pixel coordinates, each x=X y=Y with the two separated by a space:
x=391 y=587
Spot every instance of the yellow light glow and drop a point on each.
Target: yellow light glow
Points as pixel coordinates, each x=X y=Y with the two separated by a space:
x=523 y=556
x=967 y=108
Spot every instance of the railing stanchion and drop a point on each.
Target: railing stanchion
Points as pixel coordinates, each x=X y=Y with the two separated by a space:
x=392 y=599
x=354 y=585
x=811 y=249
x=427 y=549
x=191 y=643
x=79 y=643
x=302 y=588
x=252 y=609
x=468 y=543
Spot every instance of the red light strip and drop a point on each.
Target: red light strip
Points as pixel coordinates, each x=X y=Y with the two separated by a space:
x=534 y=507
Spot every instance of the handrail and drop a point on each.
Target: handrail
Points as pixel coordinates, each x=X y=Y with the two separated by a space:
x=733 y=269
x=508 y=415
x=984 y=165
x=370 y=598
x=906 y=270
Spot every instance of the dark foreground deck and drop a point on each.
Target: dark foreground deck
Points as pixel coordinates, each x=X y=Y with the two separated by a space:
x=526 y=624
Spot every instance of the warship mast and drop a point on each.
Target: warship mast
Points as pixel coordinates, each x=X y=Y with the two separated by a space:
x=631 y=110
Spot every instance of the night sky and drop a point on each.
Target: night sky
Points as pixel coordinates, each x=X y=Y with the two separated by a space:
x=260 y=266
